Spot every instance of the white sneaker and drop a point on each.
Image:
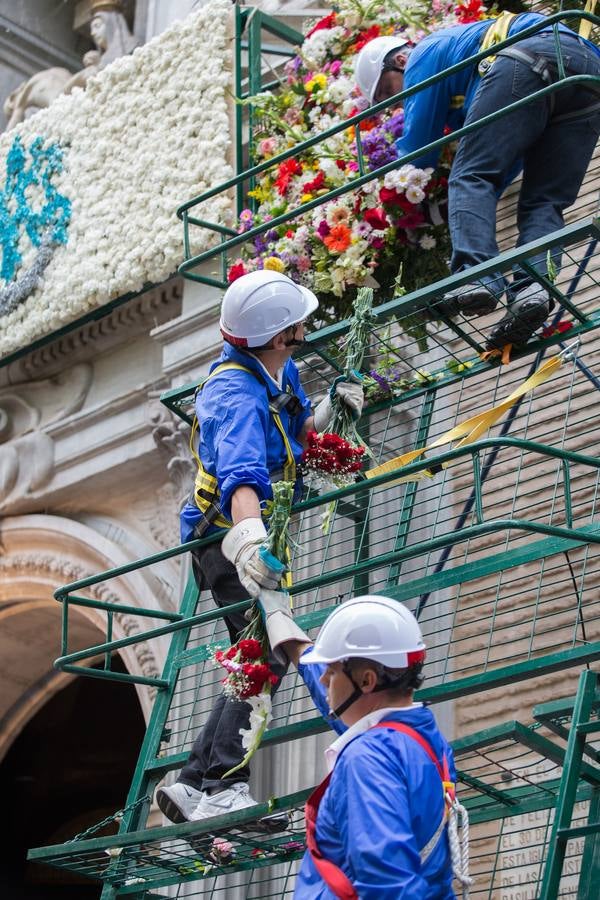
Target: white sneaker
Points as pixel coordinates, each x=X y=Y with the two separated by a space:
x=178 y=801
x=232 y=799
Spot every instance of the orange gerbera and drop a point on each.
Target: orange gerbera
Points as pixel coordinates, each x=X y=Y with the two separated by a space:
x=338 y=239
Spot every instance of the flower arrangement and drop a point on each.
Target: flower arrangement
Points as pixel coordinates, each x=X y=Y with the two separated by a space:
x=331 y=461
x=334 y=457
x=390 y=233
x=248 y=674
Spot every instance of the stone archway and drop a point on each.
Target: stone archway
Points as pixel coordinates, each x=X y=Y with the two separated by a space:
x=39 y=553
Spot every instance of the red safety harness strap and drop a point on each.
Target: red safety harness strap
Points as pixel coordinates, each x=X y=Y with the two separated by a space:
x=337 y=882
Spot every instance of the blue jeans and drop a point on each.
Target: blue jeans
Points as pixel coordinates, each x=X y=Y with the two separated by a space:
x=218 y=747
x=554 y=137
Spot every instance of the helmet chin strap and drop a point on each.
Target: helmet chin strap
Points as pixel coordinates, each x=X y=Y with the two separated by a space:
x=358 y=692
x=295 y=343
x=354 y=696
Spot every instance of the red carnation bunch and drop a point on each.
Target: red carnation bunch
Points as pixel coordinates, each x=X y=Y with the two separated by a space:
x=333 y=460
x=248 y=672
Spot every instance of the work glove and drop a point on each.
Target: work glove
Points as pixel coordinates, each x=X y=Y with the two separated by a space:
x=349 y=391
x=256 y=567
x=279 y=622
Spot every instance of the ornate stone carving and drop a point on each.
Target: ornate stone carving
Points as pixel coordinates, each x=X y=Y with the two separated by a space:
x=26 y=451
x=112 y=37
x=119 y=325
x=172 y=439
x=36 y=93
x=110 y=31
x=63 y=571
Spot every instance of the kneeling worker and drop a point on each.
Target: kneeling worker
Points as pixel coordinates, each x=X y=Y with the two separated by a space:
x=377 y=827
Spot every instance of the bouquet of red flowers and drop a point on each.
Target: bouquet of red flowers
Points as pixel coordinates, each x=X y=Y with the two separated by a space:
x=331 y=460
x=247 y=673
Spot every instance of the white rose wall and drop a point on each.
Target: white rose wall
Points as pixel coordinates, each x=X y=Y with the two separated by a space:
x=89 y=186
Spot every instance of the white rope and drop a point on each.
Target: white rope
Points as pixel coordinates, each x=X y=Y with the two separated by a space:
x=459 y=849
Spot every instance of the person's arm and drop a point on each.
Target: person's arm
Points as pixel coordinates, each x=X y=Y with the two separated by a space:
x=244 y=504
x=372 y=804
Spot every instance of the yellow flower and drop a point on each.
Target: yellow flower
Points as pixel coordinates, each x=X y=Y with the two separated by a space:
x=305 y=198
x=317 y=81
x=274 y=263
x=260 y=194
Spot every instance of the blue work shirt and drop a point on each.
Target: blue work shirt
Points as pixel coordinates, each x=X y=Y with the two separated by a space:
x=383 y=804
x=239 y=442
x=447 y=102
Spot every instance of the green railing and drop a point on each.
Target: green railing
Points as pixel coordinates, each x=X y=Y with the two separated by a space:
x=229 y=238
x=496 y=783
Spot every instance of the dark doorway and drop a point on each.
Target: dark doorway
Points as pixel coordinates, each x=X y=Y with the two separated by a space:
x=69 y=768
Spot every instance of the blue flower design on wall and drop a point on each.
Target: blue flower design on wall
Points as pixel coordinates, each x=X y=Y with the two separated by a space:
x=31 y=209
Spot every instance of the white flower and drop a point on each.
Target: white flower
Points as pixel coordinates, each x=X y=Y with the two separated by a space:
x=427 y=242
x=414 y=194
x=339 y=89
x=260 y=716
x=124 y=139
x=399 y=178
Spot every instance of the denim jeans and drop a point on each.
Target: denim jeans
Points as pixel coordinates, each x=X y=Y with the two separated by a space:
x=218 y=747
x=554 y=137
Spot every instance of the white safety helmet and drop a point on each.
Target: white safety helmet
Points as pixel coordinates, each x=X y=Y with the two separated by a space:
x=260 y=304
x=369 y=627
x=368 y=67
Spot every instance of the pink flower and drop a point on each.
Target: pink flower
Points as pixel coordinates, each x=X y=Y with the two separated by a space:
x=266 y=147
x=336 y=66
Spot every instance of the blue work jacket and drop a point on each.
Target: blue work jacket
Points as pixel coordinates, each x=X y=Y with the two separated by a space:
x=239 y=442
x=447 y=102
x=383 y=804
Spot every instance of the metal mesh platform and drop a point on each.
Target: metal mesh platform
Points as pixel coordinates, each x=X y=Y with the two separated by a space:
x=509 y=779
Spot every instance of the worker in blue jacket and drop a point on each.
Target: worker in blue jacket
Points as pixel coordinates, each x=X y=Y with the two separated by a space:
x=551 y=139
x=252 y=418
x=377 y=827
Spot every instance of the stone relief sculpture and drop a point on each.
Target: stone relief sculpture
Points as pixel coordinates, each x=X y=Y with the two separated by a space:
x=110 y=31
x=26 y=450
x=34 y=94
x=112 y=37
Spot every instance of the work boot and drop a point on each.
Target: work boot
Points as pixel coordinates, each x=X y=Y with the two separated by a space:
x=178 y=801
x=469 y=299
x=233 y=799
x=525 y=314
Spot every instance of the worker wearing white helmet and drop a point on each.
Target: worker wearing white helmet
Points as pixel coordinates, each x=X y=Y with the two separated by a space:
x=552 y=140
x=378 y=827
x=252 y=418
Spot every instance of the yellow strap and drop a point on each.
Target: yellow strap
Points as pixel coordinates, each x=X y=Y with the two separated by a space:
x=471 y=429
x=207 y=481
x=585 y=27
x=498 y=31
x=222 y=367
x=494 y=34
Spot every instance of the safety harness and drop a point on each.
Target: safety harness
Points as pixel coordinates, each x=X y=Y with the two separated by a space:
x=545 y=68
x=206 y=489
x=339 y=883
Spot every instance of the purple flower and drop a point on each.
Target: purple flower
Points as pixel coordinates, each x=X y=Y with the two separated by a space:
x=377 y=147
x=323 y=229
x=383 y=384
x=395 y=125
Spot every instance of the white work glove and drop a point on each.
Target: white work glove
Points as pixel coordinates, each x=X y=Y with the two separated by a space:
x=349 y=392
x=279 y=622
x=256 y=569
